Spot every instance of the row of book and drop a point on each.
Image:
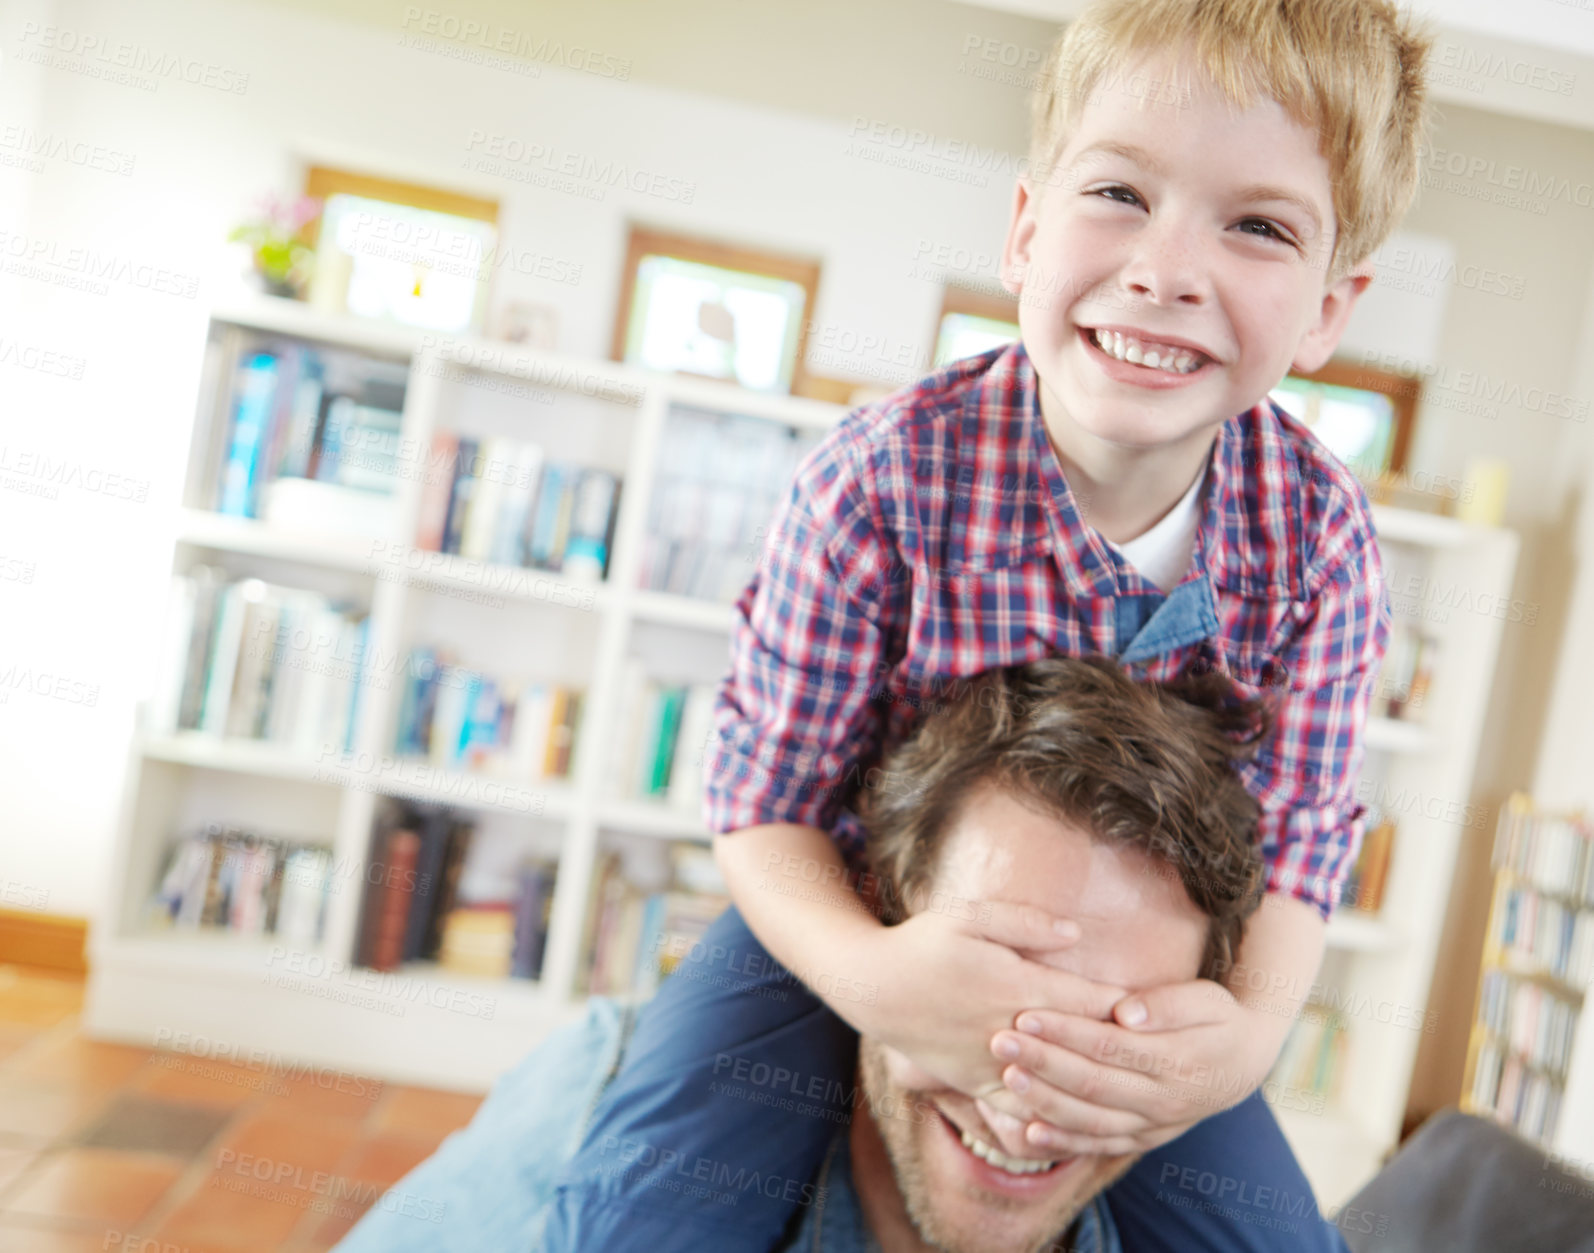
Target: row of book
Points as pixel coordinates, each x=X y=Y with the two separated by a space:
x=462 y=719
x=414 y=909
x=254 y=660
x=1523 y=1098
x=639 y=936
x=720 y=478
x=1552 y=852
x=1535 y=1024
x=1407 y=675
x=306 y=414
x=665 y=732
x=502 y=501
x=1314 y=1052
x=1363 y=888
x=503 y=938
x=231 y=879
x=1549 y=933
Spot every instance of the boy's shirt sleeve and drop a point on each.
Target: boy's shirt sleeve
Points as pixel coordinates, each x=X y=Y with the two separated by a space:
x=1306 y=778
x=795 y=714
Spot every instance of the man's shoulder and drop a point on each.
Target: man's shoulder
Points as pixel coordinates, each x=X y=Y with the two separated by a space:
x=1295 y=517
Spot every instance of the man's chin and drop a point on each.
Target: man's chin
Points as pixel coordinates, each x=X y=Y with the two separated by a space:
x=964 y=1204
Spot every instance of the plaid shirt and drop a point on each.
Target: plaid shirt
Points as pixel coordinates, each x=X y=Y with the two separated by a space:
x=931 y=536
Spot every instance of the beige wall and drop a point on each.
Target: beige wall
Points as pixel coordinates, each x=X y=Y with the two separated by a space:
x=887 y=60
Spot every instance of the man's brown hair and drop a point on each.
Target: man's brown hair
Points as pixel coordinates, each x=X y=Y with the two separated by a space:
x=1144 y=764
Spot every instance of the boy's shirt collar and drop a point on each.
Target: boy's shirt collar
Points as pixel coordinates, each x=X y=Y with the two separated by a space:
x=1248 y=539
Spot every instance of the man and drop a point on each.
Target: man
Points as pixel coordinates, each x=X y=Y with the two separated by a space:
x=1056 y=789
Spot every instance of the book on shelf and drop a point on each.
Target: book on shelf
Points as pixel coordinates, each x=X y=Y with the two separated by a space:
x=534 y=883
x=479 y=940
x=311 y=439
x=228 y=878
x=638 y=937
x=247 y=659
x=1407 y=675
x=1313 y=1053
x=1363 y=888
x=392 y=879
x=1538 y=959
x=1520 y=1066
x=1535 y=1022
x=408 y=884
x=1544 y=896
x=461 y=719
x=720 y=477
x=664 y=728
x=1506 y=1087
x=1546 y=933
x=1551 y=852
x=500 y=500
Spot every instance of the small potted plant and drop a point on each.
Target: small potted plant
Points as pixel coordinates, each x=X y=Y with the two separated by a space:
x=280 y=247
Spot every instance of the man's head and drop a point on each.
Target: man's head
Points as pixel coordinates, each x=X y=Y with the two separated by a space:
x=1208 y=178
x=1066 y=785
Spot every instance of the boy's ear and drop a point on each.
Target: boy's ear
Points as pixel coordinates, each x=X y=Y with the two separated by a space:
x=1020 y=236
x=1320 y=340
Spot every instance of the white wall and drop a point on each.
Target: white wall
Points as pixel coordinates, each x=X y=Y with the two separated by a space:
x=86 y=612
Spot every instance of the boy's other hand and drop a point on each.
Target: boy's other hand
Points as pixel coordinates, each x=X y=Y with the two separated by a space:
x=1165 y=1059
x=951 y=976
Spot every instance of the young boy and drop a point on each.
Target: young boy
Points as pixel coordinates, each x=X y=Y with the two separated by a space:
x=1207 y=181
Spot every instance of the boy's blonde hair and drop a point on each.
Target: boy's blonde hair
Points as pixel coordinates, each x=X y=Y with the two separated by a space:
x=1351 y=70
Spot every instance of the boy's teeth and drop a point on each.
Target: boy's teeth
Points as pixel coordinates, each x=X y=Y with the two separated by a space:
x=999 y=1159
x=1136 y=352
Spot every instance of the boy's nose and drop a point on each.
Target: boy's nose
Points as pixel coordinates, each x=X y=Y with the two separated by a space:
x=1166 y=267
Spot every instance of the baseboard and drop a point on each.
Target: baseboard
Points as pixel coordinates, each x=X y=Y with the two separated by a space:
x=52 y=941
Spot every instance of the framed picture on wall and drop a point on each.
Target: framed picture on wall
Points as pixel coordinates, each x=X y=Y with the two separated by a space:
x=1366 y=417
x=971 y=321
x=402 y=252
x=715 y=310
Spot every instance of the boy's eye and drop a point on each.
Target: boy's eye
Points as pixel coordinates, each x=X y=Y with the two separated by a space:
x=1263 y=229
x=1117 y=193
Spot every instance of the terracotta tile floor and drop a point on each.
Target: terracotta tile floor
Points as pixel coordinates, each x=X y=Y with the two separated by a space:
x=105 y=1147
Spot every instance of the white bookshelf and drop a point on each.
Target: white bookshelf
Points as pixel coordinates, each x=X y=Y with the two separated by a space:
x=422 y=1024
x=428 y=1025
x=1379 y=968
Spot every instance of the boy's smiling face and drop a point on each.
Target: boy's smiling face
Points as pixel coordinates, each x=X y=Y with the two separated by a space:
x=1202 y=230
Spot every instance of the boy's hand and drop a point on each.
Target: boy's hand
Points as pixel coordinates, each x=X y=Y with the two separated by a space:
x=945 y=980
x=1175 y=1055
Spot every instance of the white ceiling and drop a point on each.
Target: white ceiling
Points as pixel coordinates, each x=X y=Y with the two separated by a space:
x=1481 y=46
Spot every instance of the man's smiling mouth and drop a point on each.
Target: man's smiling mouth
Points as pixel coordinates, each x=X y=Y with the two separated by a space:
x=999 y=1159
x=988 y=1153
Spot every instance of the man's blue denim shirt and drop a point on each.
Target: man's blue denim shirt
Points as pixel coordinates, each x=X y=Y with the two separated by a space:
x=489 y=1186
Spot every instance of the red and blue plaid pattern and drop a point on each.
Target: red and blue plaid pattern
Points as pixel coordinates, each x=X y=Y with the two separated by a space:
x=930 y=536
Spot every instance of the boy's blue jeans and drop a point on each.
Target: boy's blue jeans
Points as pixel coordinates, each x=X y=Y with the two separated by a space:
x=736 y=1066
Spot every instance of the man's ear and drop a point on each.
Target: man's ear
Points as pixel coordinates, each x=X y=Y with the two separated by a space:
x=1020 y=237
x=1319 y=342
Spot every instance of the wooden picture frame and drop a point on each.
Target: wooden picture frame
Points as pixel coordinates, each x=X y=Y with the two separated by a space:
x=644 y=241
x=325 y=181
x=975 y=302
x=329 y=286
x=1403 y=390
